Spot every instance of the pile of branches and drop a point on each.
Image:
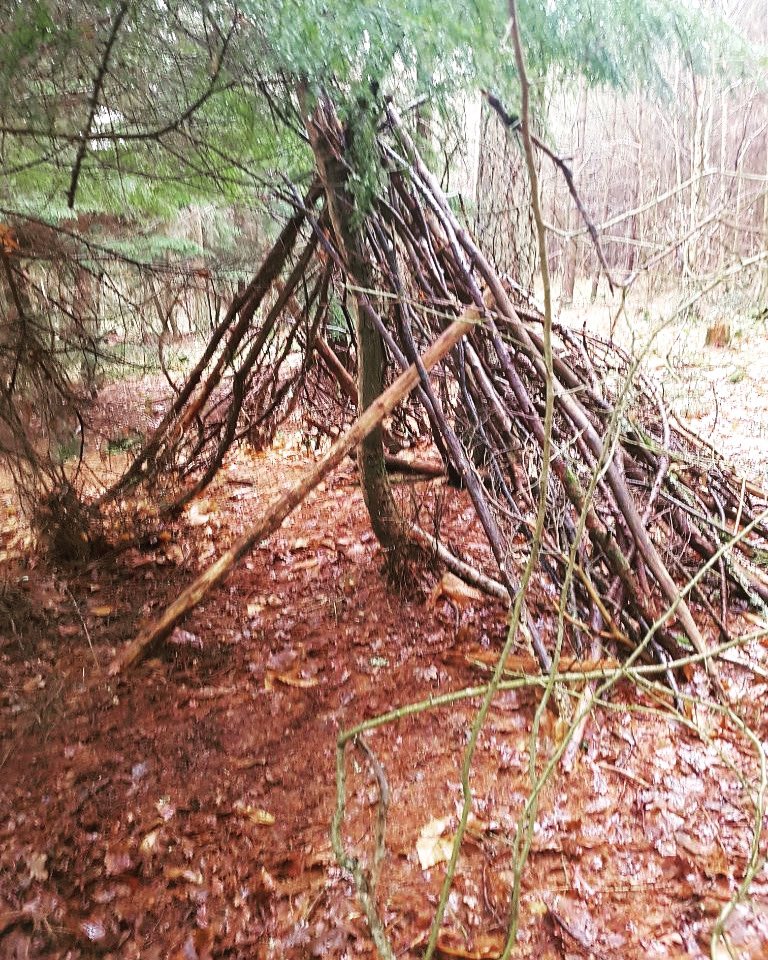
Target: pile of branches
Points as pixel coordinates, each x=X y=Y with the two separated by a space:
x=656 y=502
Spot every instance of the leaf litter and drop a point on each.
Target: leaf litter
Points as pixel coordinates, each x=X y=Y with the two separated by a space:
x=184 y=811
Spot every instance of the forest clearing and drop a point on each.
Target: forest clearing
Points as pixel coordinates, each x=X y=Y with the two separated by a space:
x=383 y=480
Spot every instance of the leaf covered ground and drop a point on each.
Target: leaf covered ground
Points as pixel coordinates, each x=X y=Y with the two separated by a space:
x=182 y=811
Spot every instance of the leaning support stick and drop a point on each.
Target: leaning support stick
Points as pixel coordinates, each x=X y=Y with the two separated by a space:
x=288 y=502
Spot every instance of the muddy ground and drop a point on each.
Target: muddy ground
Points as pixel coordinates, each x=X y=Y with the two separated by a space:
x=182 y=810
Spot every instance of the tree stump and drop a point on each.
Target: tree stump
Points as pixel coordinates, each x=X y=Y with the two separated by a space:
x=718 y=334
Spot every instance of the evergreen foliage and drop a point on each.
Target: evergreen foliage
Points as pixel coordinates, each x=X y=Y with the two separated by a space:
x=196 y=101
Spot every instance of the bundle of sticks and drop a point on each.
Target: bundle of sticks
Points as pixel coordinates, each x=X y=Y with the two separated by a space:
x=663 y=502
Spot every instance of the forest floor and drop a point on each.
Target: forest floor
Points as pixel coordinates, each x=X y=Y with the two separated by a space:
x=718 y=391
x=182 y=810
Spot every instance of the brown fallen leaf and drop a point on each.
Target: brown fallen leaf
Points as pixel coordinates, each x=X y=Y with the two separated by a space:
x=174 y=553
x=117 y=862
x=522 y=663
x=483 y=947
x=165 y=808
x=36 y=866
x=432 y=847
x=183 y=638
x=261 y=818
x=450 y=587
x=200 y=513
x=289 y=679
x=247 y=763
x=184 y=873
x=33 y=684
x=101 y=611
x=134 y=559
x=197 y=946
x=149 y=843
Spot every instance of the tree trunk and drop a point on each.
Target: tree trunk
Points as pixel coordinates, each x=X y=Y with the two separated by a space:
x=598 y=270
x=700 y=136
x=329 y=145
x=572 y=249
x=503 y=220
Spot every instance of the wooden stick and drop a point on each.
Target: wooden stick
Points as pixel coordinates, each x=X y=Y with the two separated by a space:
x=461 y=568
x=347 y=385
x=337 y=369
x=285 y=504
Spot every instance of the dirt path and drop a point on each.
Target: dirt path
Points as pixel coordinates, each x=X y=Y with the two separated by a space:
x=184 y=812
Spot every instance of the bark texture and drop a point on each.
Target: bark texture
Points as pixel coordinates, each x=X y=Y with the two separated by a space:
x=329 y=143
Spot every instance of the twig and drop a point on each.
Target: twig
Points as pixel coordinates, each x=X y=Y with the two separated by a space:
x=381 y=813
x=94 y=103
x=84 y=625
x=538 y=532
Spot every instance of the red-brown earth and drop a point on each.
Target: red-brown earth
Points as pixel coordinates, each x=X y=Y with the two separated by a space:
x=183 y=810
